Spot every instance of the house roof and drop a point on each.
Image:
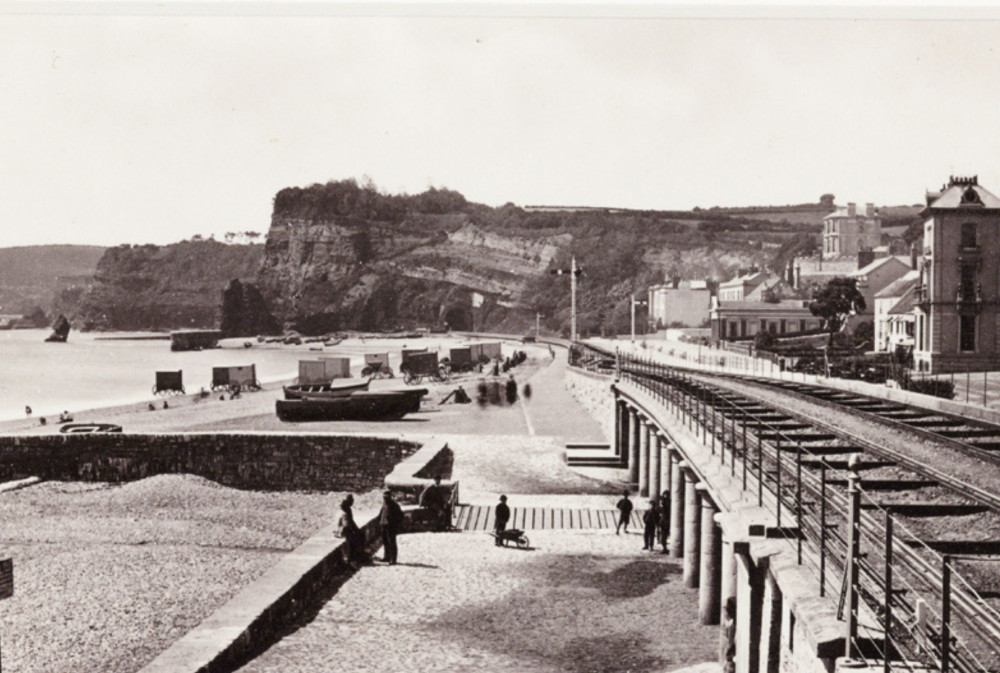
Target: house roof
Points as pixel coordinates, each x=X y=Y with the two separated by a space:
x=958 y=195
x=784 y=305
x=755 y=277
x=864 y=271
x=898 y=287
x=906 y=302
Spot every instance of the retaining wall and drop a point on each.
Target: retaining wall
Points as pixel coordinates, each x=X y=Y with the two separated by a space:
x=593 y=392
x=261 y=461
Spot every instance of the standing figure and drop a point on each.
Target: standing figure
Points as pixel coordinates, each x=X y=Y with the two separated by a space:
x=651 y=522
x=664 y=519
x=390 y=520
x=354 y=538
x=500 y=518
x=435 y=499
x=727 y=637
x=624 y=512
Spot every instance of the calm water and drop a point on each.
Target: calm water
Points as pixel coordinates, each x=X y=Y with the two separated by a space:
x=85 y=372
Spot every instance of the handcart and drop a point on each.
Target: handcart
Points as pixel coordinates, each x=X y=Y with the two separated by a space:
x=512 y=535
x=420 y=365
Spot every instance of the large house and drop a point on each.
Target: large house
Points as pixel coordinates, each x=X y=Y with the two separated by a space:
x=680 y=302
x=846 y=232
x=873 y=278
x=745 y=282
x=894 y=322
x=956 y=312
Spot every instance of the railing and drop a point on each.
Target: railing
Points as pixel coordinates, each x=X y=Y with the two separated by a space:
x=931 y=614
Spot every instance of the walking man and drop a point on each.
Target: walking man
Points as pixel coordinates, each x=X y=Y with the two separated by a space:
x=651 y=522
x=390 y=520
x=624 y=512
x=500 y=517
x=664 y=519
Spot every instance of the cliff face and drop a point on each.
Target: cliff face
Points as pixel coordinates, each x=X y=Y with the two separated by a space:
x=163 y=287
x=347 y=274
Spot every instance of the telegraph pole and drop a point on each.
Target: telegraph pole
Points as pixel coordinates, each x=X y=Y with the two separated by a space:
x=572 y=295
x=538 y=318
x=634 y=304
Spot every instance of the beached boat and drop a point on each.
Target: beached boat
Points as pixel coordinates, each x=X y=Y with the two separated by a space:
x=358 y=406
x=336 y=388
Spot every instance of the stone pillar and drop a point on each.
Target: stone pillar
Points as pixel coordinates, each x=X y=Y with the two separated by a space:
x=676 y=545
x=692 y=529
x=623 y=432
x=655 y=452
x=710 y=569
x=633 y=446
x=749 y=597
x=644 y=432
x=727 y=583
x=770 y=623
x=664 y=463
x=616 y=423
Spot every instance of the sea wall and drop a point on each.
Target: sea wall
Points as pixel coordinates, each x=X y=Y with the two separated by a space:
x=262 y=461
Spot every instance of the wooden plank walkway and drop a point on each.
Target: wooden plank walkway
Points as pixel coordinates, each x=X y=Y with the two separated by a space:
x=480 y=517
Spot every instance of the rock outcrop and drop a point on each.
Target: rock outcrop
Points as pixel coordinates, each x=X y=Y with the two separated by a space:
x=245 y=313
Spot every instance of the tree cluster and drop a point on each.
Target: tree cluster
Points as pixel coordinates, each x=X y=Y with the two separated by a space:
x=346 y=198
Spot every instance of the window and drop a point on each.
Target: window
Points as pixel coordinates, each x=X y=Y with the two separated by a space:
x=967 y=333
x=772 y=328
x=743 y=327
x=732 y=328
x=968 y=234
x=782 y=325
x=763 y=325
x=967 y=282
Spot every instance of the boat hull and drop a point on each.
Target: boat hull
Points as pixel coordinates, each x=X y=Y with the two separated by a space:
x=359 y=406
x=325 y=390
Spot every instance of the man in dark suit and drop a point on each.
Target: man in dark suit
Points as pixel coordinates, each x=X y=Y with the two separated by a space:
x=390 y=520
x=500 y=518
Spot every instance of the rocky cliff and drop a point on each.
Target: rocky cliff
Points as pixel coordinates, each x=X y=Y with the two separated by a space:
x=152 y=287
x=393 y=262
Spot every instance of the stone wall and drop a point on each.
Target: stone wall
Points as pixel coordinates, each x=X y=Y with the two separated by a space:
x=593 y=392
x=259 y=461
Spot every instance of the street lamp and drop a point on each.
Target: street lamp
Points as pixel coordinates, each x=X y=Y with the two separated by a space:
x=572 y=272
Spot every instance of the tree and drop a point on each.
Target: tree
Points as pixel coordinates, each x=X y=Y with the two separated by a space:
x=836 y=301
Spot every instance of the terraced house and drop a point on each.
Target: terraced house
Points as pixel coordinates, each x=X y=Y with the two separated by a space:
x=956 y=315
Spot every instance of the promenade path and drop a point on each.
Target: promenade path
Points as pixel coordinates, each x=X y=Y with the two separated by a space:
x=578 y=601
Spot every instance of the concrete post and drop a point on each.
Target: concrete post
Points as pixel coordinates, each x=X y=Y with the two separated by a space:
x=710 y=570
x=644 y=438
x=633 y=446
x=692 y=529
x=654 y=463
x=676 y=545
x=616 y=423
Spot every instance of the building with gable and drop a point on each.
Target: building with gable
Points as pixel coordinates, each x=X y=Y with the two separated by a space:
x=956 y=311
x=894 y=322
x=846 y=231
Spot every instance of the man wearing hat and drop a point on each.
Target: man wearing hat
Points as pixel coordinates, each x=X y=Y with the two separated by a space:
x=390 y=520
x=500 y=519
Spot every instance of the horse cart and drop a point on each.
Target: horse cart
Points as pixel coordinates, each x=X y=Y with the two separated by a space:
x=169 y=383
x=460 y=360
x=377 y=366
x=235 y=378
x=417 y=366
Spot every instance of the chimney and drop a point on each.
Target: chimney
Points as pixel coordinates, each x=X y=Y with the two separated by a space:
x=852 y=209
x=869 y=210
x=865 y=257
x=913 y=255
x=798 y=276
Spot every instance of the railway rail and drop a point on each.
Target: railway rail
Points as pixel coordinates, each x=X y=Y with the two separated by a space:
x=935 y=600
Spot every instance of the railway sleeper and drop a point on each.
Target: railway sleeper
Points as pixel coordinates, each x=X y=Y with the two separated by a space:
x=841 y=464
x=933 y=422
x=970 y=434
x=830 y=450
x=968 y=547
x=798 y=436
x=888 y=484
x=917 y=510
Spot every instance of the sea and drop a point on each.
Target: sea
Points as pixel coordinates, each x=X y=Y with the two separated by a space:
x=109 y=368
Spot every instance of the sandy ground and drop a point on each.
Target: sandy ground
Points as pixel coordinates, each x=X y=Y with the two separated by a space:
x=108 y=575
x=578 y=602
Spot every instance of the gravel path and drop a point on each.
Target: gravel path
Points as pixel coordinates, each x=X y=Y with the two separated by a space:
x=458 y=603
x=106 y=576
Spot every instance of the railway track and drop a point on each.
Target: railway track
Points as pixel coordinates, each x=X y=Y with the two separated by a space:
x=799 y=464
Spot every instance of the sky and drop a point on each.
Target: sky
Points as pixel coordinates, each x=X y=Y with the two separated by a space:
x=118 y=127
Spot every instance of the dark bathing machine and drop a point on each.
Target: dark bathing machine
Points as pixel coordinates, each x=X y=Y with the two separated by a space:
x=194 y=340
